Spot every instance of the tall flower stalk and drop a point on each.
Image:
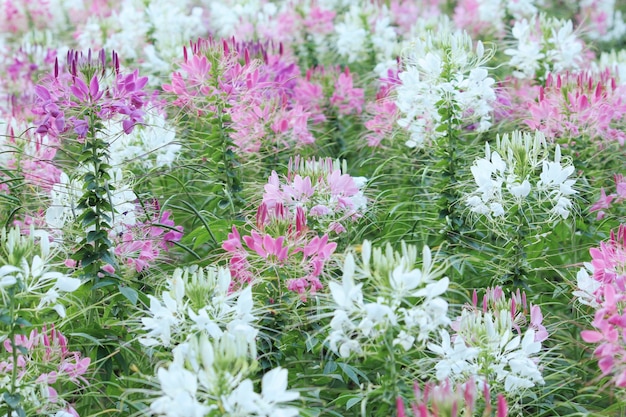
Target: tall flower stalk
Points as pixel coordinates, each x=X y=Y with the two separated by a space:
x=521 y=194
x=73 y=104
x=444 y=90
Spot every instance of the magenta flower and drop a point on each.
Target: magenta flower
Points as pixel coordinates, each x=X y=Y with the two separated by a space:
x=346 y=98
x=64 y=97
x=266 y=246
x=584 y=104
x=250 y=83
x=620 y=188
x=449 y=399
x=45 y=359
x=604 y=202
x=609 y=266
x=140 y=245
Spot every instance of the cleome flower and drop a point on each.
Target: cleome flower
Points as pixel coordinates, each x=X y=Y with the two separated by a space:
x=198 y=300
x=544 y=44
x=320 y=187
x=604 y=292
x=211 y=376
x=443 y=71
x=496 y=344
x=393 y=297
x=519 y=176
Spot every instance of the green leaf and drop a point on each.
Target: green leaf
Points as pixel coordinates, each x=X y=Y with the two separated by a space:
x=103 y=284
x=88 y=218
x=6 y=319
x=88 y=337
x=23 y=322
x=96 y=235
x=330 y=367
x=12 y=400
x=130 y=294
x=353 y=401
x=349 y=371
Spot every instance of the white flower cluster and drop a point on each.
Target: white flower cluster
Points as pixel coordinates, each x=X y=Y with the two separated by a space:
x=544 y=44
x=366 y=32
x=153 y=32
x=151 y=144
x=398 y=296
x=66 y=193
x=486 y=347
x=198 y=301
x=208 y=377
x=512 y=181
x=27 y=265
x=227 y=16
x=444 y=84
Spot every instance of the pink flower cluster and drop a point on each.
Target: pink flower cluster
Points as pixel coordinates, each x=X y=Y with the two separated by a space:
x=572 y=105
x=280 y=245
x=44 y=358
x=447 y=399
x=249 y=84
x=383 y=112
x=141 y=244
x=268 y=102
x=24 y=150
x=605 y=201
x=327 y=196
x=64 y=96
x=609 y=269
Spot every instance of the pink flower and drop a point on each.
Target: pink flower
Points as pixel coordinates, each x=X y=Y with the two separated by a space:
x=610 y=318
x=266 y=246
x=583 y=104
x=620 y=187
x=233 y=243
x=346 y=98
x=536 y=318
x=320 y=21
x=604 y=202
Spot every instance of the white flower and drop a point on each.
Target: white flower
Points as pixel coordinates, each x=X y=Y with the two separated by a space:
x=556 y=176
x=352 y=36
x=7 y=278
x=242 y=401
x=273 y=392
x=544 y=43
x=587 y=287
x=404 y=339
x=180 y=388
x=457 y=360
x=464 y=87
x=403 y=282
x=496 y=209
x=526 y=59
x=347 y=294
x=565 y=49
x=204 y=322
x=520 y=190
x=164 y=317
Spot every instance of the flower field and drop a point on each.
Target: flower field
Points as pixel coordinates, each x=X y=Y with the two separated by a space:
x=312 y=208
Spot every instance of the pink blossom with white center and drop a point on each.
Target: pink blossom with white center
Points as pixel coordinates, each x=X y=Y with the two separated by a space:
x=327 y=196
